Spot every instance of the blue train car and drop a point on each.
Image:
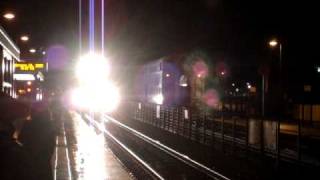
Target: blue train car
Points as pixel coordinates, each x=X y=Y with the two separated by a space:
x=163 y=82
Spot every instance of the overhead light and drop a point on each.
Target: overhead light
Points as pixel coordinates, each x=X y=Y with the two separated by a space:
x=9 y=16
x=24 y=38
x=273 y=43
x=32 y=50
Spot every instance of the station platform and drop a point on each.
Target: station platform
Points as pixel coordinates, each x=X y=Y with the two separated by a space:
x=82 y=153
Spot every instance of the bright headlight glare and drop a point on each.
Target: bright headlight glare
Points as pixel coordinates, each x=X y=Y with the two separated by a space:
x=92 y=68
x=95 y=92
x=104 y=98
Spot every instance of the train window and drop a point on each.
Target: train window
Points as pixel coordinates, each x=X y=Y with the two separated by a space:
x=183 y=81
x=158 y=112
x=186 y=114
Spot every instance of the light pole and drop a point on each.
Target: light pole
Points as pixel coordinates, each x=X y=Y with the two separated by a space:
x=274 y=43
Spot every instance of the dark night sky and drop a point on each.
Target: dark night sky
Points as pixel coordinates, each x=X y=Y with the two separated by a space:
x=144 y=30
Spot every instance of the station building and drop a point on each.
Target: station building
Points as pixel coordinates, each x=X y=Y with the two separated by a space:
x=9 y=55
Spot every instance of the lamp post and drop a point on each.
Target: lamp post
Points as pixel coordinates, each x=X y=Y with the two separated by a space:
x=274 y=43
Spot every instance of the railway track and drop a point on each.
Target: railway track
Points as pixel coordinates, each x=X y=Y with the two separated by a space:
x=148 y=158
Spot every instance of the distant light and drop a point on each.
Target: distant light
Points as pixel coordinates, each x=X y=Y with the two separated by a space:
x=199 y=75
x=158 y=99
x=44 y=53
x=223 y=73
x=249 y=86
x=29 y=90
x=273 y=43
x=167 y=75
x=24 y=38
x=9 y=16
x=233 y=84
x=237 y=90
x=318 y=69
x=32 y=50
x=29 y=83
x=21 y=91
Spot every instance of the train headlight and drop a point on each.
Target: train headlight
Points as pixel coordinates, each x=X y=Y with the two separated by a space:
x=92 y=68
x=95 y=92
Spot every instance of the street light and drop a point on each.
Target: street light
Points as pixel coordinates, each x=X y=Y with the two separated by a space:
x=24 y=38
x=9 y=16
x=274 y=43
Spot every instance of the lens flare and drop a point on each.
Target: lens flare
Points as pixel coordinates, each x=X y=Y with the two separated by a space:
x=200 y=69
x=211 y=98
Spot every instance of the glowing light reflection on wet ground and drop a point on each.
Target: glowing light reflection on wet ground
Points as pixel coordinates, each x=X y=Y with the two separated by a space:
x=93 y=159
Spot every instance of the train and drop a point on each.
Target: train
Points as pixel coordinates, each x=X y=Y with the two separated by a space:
x=166 y=81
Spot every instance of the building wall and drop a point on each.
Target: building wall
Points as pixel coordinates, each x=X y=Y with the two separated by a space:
x=9 y=54
x=307 y=112
x=1 y=68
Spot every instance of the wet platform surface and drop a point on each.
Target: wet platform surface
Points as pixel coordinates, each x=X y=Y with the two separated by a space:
x=82 y=153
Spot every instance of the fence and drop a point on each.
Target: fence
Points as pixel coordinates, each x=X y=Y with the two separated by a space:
x=269 y=137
